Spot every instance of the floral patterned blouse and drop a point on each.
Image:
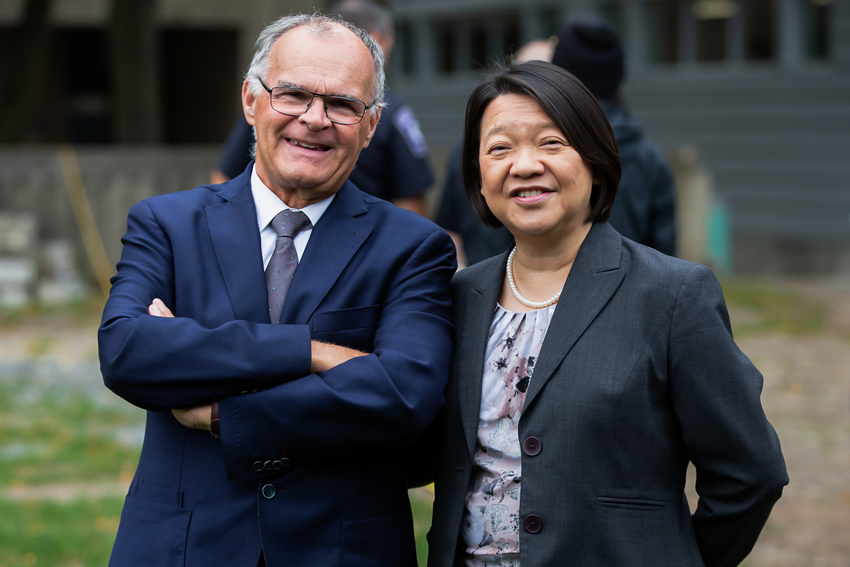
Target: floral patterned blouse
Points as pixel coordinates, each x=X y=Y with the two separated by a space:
x=491 y=518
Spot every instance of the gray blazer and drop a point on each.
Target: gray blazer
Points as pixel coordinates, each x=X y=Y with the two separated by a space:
x=638 y=375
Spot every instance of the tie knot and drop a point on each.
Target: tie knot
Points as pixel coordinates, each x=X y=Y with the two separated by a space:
x=289 y=223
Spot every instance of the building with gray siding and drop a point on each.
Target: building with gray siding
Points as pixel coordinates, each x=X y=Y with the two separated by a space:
x=750 y=98
x=755 y=93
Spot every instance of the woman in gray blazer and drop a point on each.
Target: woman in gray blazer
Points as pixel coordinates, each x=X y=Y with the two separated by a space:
x=588 y=370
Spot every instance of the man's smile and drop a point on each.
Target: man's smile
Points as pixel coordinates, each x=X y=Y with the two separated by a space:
x=316 y=147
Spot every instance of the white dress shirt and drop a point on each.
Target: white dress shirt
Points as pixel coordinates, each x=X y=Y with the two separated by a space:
x=268 y=205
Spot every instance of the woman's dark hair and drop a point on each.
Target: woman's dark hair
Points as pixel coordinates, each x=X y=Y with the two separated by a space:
x=573 y=110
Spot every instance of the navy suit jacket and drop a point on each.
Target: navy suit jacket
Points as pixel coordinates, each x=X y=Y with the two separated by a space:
x=307 y=468
x=637 y=376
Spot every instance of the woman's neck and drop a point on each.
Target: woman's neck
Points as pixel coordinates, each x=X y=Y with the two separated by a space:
x=540 y=267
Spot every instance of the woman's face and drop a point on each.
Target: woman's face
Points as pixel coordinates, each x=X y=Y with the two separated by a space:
x=533 y=180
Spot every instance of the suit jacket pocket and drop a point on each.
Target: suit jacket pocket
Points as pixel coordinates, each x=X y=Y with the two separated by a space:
x=354 y=328
x=645 y=504
x=380 y=542
x=159 y=494
x=150 y=533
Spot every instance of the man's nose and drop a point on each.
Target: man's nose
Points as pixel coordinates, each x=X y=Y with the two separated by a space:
x=316 y=117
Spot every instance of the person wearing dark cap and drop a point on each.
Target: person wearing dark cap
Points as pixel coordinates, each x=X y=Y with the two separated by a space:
x=591 y=50
x=394 y=166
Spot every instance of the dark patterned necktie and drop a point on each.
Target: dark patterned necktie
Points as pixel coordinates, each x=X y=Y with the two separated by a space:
x=281 y=268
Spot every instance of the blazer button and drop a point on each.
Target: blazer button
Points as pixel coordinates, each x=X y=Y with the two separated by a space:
x=531 y=446
x=532 y=523
x=267 y=466
x=277 y=465
x=285 y=463
x=258 y=466
x=269 y=492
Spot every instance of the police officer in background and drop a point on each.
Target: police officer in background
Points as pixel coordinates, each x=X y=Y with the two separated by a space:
x=394 y=166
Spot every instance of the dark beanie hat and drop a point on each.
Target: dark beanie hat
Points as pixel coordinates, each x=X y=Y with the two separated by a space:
x=591 y=50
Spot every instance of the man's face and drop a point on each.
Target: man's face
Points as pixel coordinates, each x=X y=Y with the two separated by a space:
x=304 y=159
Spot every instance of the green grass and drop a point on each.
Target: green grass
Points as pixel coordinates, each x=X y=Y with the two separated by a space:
x=763 y=309
x=53 y=439
x=81 y=312
x=78 y=533
x=421 y=500
x=54 y=434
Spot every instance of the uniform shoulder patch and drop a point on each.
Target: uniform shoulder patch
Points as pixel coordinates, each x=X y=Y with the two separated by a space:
x=405 y=121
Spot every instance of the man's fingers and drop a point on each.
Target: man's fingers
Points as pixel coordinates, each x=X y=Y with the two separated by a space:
x=195 y=418
x=158 y=309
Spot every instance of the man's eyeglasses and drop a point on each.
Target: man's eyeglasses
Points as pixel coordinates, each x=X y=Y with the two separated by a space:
x=295 y=102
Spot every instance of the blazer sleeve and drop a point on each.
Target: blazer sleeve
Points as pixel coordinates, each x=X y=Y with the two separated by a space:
x=715 y=391
x=383 y=400
x=161 y=363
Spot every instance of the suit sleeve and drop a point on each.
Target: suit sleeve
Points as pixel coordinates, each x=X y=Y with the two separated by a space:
x=716 y=391
x=161 y=363
x=383 y=400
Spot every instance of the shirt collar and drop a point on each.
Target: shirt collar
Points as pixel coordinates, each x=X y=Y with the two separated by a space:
x=268 y=204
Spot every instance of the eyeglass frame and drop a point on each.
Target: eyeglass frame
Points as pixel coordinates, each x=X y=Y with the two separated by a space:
x=309 y=104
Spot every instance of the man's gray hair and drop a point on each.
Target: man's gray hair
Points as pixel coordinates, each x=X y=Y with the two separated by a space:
x=321 y=26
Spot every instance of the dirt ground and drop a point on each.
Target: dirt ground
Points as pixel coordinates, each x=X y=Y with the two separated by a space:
x=806 y=397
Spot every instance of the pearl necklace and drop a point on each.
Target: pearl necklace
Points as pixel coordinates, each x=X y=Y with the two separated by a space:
x=520 y=298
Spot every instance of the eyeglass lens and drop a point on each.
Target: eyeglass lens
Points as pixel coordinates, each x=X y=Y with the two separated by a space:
x=296 y=102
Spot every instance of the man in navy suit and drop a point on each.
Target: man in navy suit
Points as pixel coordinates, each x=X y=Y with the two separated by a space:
x=308 y=415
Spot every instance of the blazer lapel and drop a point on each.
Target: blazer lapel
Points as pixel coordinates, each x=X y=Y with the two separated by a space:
x=593 y=279
x=334 y=241
x=480 y=303
x=236 y=239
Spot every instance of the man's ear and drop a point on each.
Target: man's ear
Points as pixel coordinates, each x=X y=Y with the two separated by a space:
x=373 y=123
x=248 y=102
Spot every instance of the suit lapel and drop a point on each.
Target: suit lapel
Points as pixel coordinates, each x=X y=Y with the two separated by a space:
x=236 y=239
x=593 y=279
x=480 y=303
x=334 y=241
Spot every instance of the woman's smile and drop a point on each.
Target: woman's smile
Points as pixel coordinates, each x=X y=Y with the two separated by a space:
x=533 y=179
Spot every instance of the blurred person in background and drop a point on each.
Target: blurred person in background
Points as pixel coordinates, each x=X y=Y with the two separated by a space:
x=588 y=370
x=395 y=165
x=288 y=333
x=644 y=211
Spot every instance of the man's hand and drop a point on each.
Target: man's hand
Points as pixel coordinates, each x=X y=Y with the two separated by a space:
x=195 y=418
x=158 y=309
x=325 y=356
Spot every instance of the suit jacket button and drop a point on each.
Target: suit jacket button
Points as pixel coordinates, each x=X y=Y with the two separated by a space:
x=286 y=463
x=267 y=466
x=531 y=446
x=268 y=492
x=277 y=465
x=532 y=523
x=258 y=466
